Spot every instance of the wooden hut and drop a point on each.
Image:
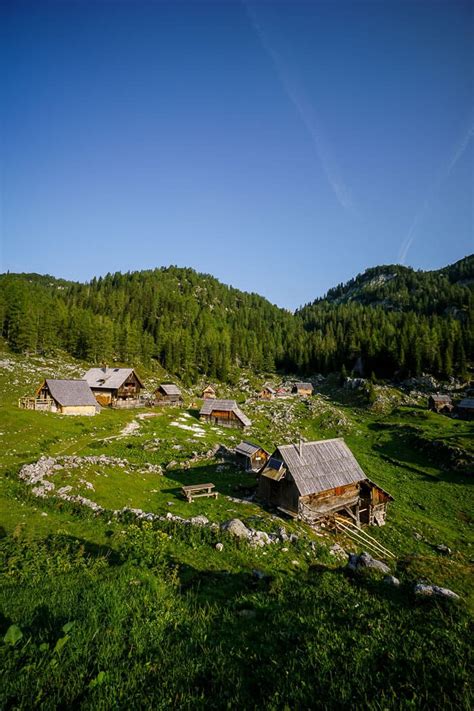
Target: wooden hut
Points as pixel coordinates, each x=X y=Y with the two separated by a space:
x=465 y=408
x=316 y=479
x=117 y=387
x=251 y=456
x=69 y=397
x=303 y=389
x=208 y=393
x=440 y=403
x=225 y=413
x=168 y=394
x=267 y=392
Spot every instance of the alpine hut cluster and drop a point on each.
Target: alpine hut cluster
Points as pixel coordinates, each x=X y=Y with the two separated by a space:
x=316 y=479
x=119 y=387
x=225 y=413
x=168 y=394
x=440 y=403
x=68 y=397
x=251 y=456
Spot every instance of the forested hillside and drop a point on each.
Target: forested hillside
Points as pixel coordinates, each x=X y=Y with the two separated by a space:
x=396 y=320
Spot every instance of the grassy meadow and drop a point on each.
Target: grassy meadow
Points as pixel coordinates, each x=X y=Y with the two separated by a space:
x=100 y=612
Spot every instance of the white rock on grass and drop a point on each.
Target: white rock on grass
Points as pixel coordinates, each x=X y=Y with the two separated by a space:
x=236 y=528
x=365 y=561
x=423 y=590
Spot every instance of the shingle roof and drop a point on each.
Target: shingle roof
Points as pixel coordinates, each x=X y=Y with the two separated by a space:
x=169 y=389
x=209 y=406
x=71 y=393
x=108 y=378
x=304 y=386
x=323 y=465
x=268 y=387
x=441 y=398
x=467 y=402
x=248 y=448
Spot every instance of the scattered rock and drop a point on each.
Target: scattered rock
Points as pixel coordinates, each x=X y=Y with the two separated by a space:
x=247 y=614
x=337 y=550
x=236 y=528
x=391 y=580
x=364 y=560
x=417 y=536
x=199 y=520
x=258 y=574
x=171 y=465
x=424 y=590
x=441 y=548
x=219 y=546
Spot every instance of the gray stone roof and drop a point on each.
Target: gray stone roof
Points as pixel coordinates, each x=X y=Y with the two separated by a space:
x=248 y=448
x=304 y=386
x=325 y=464
x=71 y=393
x=441 y=398
x=169 y=389
x=108 y=378
x=210 y=405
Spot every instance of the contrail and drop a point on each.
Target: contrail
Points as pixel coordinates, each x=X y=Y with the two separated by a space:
x=421 y=213
x=300 y=100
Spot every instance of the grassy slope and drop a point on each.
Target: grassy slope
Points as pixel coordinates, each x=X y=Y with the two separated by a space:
x=187 y=621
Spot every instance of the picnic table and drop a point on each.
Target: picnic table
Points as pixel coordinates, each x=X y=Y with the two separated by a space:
x=193 y=491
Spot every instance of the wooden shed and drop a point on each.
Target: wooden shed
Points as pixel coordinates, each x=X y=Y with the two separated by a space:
x=440 y=403
x=168 y=394
x=69 y=397
x=251 y=456
x=465 y=408
x=267 y=392
x=225 y=413
x=209 y=392
x=117 y=387
x=304 y=389
x=316 y=479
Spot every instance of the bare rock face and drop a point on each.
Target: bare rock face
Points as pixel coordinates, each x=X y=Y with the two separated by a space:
x=236 y=528
x=365 y=561
x=423 y=590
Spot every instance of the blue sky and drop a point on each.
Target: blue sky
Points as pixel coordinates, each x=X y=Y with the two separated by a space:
x=282 y=147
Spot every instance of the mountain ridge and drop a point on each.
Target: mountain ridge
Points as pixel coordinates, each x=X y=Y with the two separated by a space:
x=397 y=320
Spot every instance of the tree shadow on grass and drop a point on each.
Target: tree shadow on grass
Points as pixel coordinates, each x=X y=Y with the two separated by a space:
x=88 y=549
x=227 y=482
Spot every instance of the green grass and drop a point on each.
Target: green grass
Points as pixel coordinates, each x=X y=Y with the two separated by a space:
x=162 y=619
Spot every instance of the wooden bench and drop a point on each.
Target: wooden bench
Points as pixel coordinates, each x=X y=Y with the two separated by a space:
x=196 y=490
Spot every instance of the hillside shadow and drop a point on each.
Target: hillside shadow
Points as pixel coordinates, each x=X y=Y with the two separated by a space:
x=221 y=586
x=395 y=449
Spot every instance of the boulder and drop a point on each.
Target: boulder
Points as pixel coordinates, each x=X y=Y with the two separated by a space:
x=424 y=590
x=199 y=520
x=219 y=547
x=236 y=528
x=391 y=580
x=442 y=548
x=365 y=561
